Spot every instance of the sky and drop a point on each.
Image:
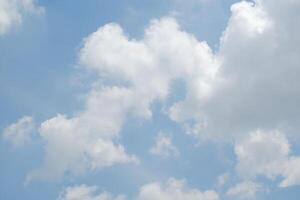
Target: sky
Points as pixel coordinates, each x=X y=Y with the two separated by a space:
x=149 y=100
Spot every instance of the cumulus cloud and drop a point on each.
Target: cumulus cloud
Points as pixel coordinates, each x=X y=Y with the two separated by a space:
x=256 y=84
x=248 y=83
x=267 y=154
x=148 y=66
x=255 y=87
x=20 y=133
x=174 y=190
x=232 y=91
x=84 y=192
x=164 y=147
x=135 y=74
x=12 y=12
x=85 y=141
x=166 y=53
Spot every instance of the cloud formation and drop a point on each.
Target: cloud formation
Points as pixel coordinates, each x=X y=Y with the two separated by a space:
x=13 y=11
x=263 y=153
x=85 y=141
x=20 y=133
x=164 y=147
x=256 y=84
x=248 y=83
x=237 y=89
x=173 y=190
x=135 y=75
x=244 y=190
x=84 y=192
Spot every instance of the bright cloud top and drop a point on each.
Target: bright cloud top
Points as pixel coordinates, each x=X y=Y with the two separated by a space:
x=257 y=84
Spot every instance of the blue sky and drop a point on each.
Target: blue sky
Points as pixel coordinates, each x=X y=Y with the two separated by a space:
x=149 y=100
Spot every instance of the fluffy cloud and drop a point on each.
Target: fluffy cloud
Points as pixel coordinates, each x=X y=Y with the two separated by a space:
x=84 y=192
x=255 y=87
x=12 y=11
x=166 y=53
x=85 y=141
x=238 y=89
x=19 y=133
x=135 y=74
x=174 y=190
x=262 y=153
x=256 y=84
x=267 y=154
x=250 y=82
x=164 y=147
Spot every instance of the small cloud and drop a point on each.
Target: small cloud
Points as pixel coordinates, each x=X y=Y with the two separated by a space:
x=84 y=192
x=174 y=189
x=19 y=133
x=222 y=179
x=245 y=190
x=12 y=13
x=164 y=147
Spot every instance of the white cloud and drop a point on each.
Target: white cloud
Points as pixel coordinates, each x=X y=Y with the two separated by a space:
x=19 y=133
x=249 y=83
x=254 y=87
x=262 y=153
x=164 y=147
x=84 y=192
x=12 y=12
x=164 y=54
x=135 y=73
x=267 y=154
x=256 y=83
x=148 y=66
x=245 y=190
x=85 y=141
x=174 y=190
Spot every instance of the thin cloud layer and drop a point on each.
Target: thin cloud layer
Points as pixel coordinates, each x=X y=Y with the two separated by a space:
x=84 y=192
x=164 y=146
x=174 y=190
x=244 y=190
x=20 y=133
